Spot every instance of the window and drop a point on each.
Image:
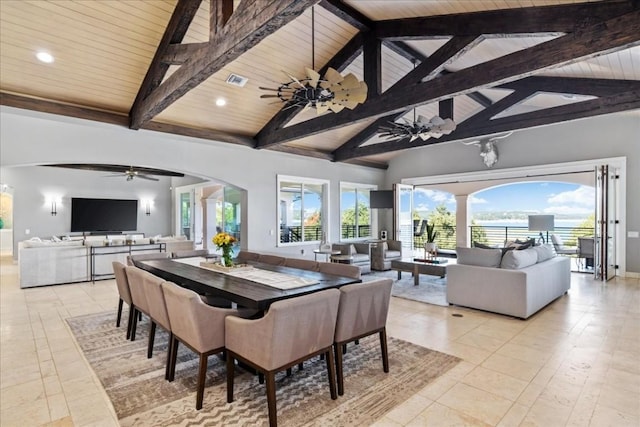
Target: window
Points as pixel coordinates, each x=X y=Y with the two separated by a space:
x=302 y=209
x=355 y=211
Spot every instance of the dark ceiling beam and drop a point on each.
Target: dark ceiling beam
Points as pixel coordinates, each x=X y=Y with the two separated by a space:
x=445 y=108
x=524 y=21
x=372 y=64
x=579 y=110
x=597 y=39
x=62 y=109
x=219 y=13
x=339 y=62
x=348 y=14
x=120 y=119
x=452 y=49
x=177 y=27
x=573 y=85
x=178 y=54
x=307 y=152
x=251 y=23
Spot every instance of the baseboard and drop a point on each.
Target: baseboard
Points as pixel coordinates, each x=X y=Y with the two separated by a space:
x=631 y=275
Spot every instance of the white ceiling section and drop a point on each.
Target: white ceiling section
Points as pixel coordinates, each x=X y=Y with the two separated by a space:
x=103 y=50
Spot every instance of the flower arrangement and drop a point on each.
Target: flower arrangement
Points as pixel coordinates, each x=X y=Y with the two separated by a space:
x=225 y=242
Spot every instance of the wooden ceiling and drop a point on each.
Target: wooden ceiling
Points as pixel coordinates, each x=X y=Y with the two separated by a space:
x=493 y=66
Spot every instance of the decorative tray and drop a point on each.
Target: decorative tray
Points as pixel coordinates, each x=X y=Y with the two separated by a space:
x=221 y=268
x=431 y=261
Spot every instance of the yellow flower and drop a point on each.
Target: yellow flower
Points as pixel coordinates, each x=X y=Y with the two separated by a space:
x=223 y=239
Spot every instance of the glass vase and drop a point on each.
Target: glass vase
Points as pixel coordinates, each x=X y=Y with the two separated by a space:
x=227 y=259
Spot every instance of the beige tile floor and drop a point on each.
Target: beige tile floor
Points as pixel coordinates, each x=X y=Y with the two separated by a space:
x=576 y=363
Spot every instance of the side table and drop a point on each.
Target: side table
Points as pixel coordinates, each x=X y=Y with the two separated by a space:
x=342 y=259
x=328 y=253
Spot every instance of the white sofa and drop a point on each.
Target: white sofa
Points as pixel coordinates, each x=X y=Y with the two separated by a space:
x=515 y=285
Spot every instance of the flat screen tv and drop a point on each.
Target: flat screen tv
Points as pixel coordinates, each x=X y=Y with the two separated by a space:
x=103 y=215
x=381 y=199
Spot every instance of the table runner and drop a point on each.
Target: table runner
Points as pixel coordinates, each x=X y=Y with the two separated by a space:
x=264 y=277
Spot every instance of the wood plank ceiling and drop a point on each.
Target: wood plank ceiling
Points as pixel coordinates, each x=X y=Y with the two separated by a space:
x=493 y=66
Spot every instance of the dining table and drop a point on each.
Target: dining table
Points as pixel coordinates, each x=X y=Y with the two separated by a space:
x=244 y=291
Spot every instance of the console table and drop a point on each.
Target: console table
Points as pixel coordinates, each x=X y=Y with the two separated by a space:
x=105 y=250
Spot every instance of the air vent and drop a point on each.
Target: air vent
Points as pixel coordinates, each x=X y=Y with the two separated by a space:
x=237 y=80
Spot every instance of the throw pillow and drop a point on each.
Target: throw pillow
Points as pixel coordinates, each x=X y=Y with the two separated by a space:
x=544 y=252
x=478 y=256
x=525 y=244
x=482 y=245
x=514 y=260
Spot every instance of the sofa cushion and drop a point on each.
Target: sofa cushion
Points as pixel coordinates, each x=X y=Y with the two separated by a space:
x=478 y=256
x=545 y=252
x=358 y=258
x=514 y=260
x=392 y=254
x=482 y=246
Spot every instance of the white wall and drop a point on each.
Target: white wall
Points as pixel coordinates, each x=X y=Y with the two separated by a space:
x=616 y=135
x=31 y=138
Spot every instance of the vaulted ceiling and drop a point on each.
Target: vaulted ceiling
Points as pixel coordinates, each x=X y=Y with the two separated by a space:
x=491 y=65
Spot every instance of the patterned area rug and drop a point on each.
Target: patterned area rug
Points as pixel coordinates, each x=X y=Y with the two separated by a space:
x=141 y=396
x=432 y=289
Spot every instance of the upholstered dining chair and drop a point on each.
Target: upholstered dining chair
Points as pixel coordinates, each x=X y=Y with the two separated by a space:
x=362 y=312
x=198 y=326
x=340 y=269
x=244 y=256
x=146 y=257
x=192 y=253
x=292 y=330
x=303 y=264
x=125 y=294
x=137 y=278
x=158 y=313
x=271 y=259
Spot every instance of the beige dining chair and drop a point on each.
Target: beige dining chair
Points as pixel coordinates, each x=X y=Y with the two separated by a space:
x=158 y=314
x=303 y=264
x=340 y=269
x=292 y=330
x=271 y=259
x=147 y=257
x=244 y=256
x=362 y=312
x=125 y=294
x=198 y=326
x=137 y=283
x=190 y=254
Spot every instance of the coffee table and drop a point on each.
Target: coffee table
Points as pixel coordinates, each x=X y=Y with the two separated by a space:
x=420 y=267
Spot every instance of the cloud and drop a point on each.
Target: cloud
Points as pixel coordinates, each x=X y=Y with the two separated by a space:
x=437 y=196
x=568 y=210
x=583 y=195
x=422 y=207
x=477 y=200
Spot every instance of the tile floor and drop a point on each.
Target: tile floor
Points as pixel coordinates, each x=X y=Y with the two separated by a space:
x=573 y=364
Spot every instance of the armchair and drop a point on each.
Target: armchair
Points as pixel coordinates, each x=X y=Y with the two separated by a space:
x=560 y=248
x=360 y=252
x=384 y=252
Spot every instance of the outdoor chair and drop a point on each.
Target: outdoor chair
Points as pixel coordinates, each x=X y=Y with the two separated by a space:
x=560 y=248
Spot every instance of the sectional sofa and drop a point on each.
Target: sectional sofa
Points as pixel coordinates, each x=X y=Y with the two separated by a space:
x=518 y=284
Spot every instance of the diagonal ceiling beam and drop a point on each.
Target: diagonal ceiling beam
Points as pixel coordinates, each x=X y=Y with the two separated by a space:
x=573 y=85
x=526 y=20
x=251 y=23
x=454 y=48
x=597 y=39
x=177 y=27
x=612 y=104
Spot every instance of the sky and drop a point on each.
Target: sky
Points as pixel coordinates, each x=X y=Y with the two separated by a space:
x=541 y=197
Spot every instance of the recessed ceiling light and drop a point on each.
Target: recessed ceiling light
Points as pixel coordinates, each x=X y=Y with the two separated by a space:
x=44 y=57
x=221 y=102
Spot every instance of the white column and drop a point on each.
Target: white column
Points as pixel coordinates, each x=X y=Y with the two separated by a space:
x=462 y=221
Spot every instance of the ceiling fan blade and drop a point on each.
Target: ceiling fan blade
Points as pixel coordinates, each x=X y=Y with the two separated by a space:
x=314 y=77
x=269 y=96
x=294 y=79
x=147 y=177
x=112 y=175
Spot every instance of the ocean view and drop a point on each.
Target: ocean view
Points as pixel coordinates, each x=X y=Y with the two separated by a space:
x=561 y=223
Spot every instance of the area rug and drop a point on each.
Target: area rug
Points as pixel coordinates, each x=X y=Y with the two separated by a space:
x=431 y=290
x=142 y=397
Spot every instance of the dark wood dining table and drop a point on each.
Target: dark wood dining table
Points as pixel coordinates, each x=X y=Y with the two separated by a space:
x=241 y=291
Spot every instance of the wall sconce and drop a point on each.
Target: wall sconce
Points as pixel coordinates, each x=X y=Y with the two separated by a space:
x=147 y=206
x=52 y=202
x=54 y=208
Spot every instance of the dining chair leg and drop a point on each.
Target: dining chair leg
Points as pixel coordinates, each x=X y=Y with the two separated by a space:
x=130 y=322
x=174 y=357
x=331 y=371
x=339 y=373
x=120 y=301
x=152 y=338
x=271 y=399
x=230 y=374
x=260 y=378
x=300 y=366
x=289 y=372
x=202 y=376
x=167 y=368
x=134 y=324
x=383 y=348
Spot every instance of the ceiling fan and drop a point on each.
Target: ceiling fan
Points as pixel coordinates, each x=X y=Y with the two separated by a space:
x=132 y=173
